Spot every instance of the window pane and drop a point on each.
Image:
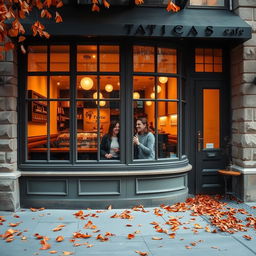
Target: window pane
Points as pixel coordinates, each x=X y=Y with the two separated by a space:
x=109 y=58
x=37 y=58
x=87 y=86
x=37 y=87
x=87 y=127
x=37 y=130
x=59 y=130
x=211 y=113
x=143 y=87
x=143 y=59
x=144 y=128
x=166 y=59
x=167 y=131
x=109 y=131
x=167 y=88
x=208 y=2
x=109 y=86
x=86 y=58
x=59 y=87
x=59 y=58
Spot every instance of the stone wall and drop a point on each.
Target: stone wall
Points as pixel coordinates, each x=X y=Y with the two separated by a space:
x=243 y=73
x=9 y=186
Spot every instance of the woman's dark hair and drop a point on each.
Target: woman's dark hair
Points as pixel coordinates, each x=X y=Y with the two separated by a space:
x=112 y=126
x=145 y=122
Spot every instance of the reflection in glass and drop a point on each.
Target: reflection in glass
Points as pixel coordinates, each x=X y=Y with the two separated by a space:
x=143 y=59
x=86 y=58
x=167 y=60
x=37 y=85
x=89 y=89
x=59 y=130
x=167 y=130
x=59 y=87
x=59 y=58
x=110 y=86
x=37 y=130
x=110 y=132
x=109 y=58
x=37 y=58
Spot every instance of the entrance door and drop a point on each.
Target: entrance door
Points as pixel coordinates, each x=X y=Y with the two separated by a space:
x=212 y=133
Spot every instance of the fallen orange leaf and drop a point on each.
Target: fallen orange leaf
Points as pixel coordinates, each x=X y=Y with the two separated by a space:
x=67 y=253
x=142 y=253
x=45 y=245
x=53 y=252
x=130 y=236
x=156 y=238
x=59 y=238
x=247 y=237
x=58 y=228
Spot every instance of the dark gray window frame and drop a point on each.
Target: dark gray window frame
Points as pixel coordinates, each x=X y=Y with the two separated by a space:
x=126 y=73
x=226 y=6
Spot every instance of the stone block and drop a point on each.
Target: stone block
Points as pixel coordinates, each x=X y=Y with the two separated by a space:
x=2 y=157
x=248 y=101
x=11 y=103
x=234 y=151
x=249 y=66
x=252 y=24
x=8 y=145
x=8 y=69
x=248 y=77
x=243 y=114
x=248 y=89
x=252 y=41
x=236 y=102
x=235 y=127
x=9 y=80
x=245 y=13
x=250 y=127
x=9 y=91
x=249 y=53
x=8 y=167
x=8 y=131
x=8 y=117
x=2 y=104
x=247 y=3
x=11 y=157
x=6 y=185
x=9 y=201
x=244 y=154
x=254 y=154
x=245 y=164
x=248 y=140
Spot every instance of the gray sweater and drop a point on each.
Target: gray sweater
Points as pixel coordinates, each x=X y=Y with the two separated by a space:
x=146 y=148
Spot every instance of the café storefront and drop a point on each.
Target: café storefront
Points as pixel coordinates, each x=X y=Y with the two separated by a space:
x=117 y=66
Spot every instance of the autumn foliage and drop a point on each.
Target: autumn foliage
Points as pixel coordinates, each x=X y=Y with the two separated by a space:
x=12 y=12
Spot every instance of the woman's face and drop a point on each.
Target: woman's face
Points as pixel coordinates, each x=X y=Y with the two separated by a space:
x=116 y=129
x=140 y=126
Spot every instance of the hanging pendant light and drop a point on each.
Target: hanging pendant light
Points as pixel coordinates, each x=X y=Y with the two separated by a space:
x=86 y=83
x=136 y=95
x=95 y=95
x=152 y=95
x=163 y=79
x=148 y=103
x=108 y=87
x=159 y=88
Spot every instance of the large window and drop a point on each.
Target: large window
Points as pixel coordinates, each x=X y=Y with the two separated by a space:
x=211 y=3
x=77 y=107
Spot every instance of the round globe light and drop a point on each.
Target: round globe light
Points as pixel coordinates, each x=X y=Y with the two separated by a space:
x=108 y=87
x=86 y=83
x=136 y=95
x=159 y=89
x=163 y=79
x=148 y=103
x=102 y=103
x=152 y=95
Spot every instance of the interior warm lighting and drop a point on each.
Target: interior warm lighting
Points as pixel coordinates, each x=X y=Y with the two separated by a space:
x=95 y=95
x=94 y=56
x=148 y=103
x=163 y=79
x=136 y=95
x=86 y=83
x=58 y=83
x=173 y=119
x=152 y=95
x=102 y=103
x=108 y=87
x=162 y=120
x=159 y=89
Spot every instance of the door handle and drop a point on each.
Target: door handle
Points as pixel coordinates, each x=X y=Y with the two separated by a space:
x=200 y=140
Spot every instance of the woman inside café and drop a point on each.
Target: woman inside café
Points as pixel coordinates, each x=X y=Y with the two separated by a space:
x=109 y=147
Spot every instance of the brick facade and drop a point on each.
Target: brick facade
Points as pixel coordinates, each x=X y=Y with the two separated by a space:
x=9 y=184
x=243 y=73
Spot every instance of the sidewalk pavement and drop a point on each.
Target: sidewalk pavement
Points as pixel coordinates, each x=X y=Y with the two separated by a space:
x=152 y=231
